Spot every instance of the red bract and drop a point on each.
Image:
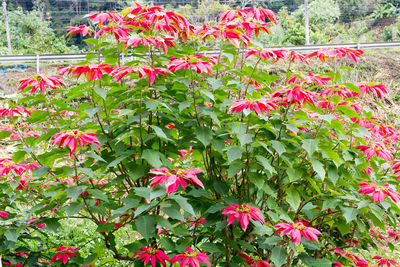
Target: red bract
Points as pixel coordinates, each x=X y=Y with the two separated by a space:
x=385 y=261
x=153 y=255
x=394 y=235
x=4 y=214
x=157 y=18
x=378 y=191
x=376 y=149
x=303 y=78
x=294 y=56
x=297 y=230
x=243 y=214
x=255 y=261
x=118 y=29
x=91 y=71
x=8 y=165
x=41 y=81
x=152 y=73
x=72 y=138
x=82 y=29
x=227 y=31
x=159 y=42
x=198 y=63
x=174 y=178
x=11 y=112
x=266 y=54
x=249 y=13
x=324 y=54
x=341 y=91
x=378 y=89
x=296 y=94
x=191 y=258
x=64 y=254
x=100 y=17
x=261 y=14
x=258 y=105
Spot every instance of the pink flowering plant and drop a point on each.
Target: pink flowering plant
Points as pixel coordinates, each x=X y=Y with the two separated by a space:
x=174 y=157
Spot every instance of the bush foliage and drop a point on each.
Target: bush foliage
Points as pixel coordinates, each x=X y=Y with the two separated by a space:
x=177 y=157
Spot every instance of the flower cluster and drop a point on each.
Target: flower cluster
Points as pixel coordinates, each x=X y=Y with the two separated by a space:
x=243 y=213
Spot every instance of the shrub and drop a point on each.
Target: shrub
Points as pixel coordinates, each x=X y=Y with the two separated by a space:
x=180 y=157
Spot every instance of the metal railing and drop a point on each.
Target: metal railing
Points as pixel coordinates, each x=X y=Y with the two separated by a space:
x=78 y=57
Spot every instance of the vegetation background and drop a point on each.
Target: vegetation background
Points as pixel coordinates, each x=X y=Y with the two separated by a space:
x=38 y=26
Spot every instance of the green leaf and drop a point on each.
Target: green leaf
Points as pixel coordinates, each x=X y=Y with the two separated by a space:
x=233 y=153
x=318 y=168
x=278 y=146
x=245 y=139
x=91 y=111
x=293 y=198
x=4 y=134
x=101 y=92
x=256 y=179
x=208 y=94
x=39 y=172
x=279 y=256
x=152 y=157
x=349 y=214
x=160 y=133
x=293 y=175
x=74 y=192
x=322 y=263
x=98 y=194
x=74 y=208
x=333 y=174
x=12 y=235
x=266 y=164
x=310 y=145
x=105 y=227
x=221 y=187
x=215 y=83
x=183 y=203
x=347 y=111
x=145 y=225
x=95 y=156
x=174 y=213
x=210 y=247
x=204 y=135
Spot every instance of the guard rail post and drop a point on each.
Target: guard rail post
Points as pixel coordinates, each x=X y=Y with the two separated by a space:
x=37 y=64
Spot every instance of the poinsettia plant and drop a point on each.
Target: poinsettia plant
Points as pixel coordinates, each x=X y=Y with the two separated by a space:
x=176 y=156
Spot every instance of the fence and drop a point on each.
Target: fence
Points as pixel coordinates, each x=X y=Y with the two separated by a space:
x=79 y=57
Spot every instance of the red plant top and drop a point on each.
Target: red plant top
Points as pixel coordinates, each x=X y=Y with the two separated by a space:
x=91 y=71
x=11 y=112
x=191 y=258
x=64 y=254
x=243 y=214
x=198 y=63
x=173 y=178
x=297 y=230
x=72 y=138
x=378 y=191
x=153 y=255
x=41 y=81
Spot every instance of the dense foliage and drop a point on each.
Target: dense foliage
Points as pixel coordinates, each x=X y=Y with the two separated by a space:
x=171 y=156
x=30 y=34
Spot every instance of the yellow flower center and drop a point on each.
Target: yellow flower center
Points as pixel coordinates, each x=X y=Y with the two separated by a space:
x=257 y=258
x=299 y=226
x=190 y=254
x=180 y=172
x=72 y=133
x=8 y=164
x=152 y=251
x=243 y=209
